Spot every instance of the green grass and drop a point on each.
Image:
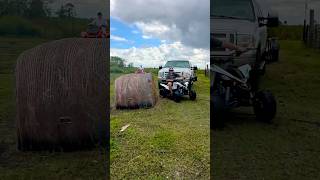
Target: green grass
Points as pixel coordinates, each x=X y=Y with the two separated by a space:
x=170 y=140
x=35 y=165
x=287 y=149
x=287 y=32
x=49 y=28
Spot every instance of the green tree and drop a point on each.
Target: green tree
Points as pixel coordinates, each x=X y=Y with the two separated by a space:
x=66 y=10
x=37 y=8
x=117 y=61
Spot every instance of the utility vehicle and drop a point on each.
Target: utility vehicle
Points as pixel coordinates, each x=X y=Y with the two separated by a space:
x=231 y=87
x=183 y=84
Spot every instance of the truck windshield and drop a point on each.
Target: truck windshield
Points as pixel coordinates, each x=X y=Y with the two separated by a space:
x=177 y=64
x=239 y=9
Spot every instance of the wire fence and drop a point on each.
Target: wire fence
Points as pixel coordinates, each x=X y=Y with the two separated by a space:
x=311 y=31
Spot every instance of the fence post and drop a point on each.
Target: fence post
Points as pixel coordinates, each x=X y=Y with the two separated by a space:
x=311 y=29
x=318 y=37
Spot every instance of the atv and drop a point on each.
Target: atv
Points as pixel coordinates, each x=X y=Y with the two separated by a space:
x=231 y=87
x=180 y=88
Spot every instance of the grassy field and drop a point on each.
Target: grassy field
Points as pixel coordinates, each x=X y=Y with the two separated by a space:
x=287 y=149
x=35 y=165
x=172 y=140
x=169 y=141
x=287 y=32
x=53 y=28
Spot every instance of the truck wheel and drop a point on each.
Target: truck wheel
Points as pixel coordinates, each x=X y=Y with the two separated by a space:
x=275 y=55
x=218 y=110
x=254 y=80
x=192 y=95
x=265 y=106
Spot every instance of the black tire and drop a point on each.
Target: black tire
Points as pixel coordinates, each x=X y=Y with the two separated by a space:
x=218 y=110
x=263 y=70
x=193 y=95
x=162 y=93
x=275 y=55
x=265 y=106
x=254 y=80
x=176 y=97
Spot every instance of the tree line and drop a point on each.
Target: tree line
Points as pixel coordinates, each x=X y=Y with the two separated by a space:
x=34 y=9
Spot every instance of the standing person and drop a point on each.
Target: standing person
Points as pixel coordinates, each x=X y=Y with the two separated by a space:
x=100 y=22
x=140 y=70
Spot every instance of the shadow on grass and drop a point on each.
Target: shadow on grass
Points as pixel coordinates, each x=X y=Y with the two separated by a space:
x=240 y=117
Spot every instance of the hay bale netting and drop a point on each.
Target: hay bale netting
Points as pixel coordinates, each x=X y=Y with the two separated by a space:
x=62 y=95
x=135 y=91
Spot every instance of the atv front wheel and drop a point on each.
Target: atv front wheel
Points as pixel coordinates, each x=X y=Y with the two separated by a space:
x=176 y=96
x=163 y=93
x=265 y=106
x=192 y=95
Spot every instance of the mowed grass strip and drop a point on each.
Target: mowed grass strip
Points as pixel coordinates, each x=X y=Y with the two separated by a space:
x=289 y=148
x=170 y=140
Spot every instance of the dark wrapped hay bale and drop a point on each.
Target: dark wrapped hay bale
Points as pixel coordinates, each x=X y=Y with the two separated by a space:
x=62 y=95
x=135 y=91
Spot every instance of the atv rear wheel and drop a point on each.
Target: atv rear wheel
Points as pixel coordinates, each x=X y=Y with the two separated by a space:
x=192 y=95
x=265 y=106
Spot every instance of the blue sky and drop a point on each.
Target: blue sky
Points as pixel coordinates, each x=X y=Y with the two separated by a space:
x=124 y=36
x=149 y=35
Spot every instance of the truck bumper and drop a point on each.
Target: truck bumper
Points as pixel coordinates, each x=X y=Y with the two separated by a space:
x=248 y=57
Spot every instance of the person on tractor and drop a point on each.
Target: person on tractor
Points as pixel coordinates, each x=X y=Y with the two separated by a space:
x=171 y=76
x=100 y=22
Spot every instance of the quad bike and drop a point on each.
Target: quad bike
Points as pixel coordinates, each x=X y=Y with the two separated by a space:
x=231 y=88
x=93 y=31
x=180 y=88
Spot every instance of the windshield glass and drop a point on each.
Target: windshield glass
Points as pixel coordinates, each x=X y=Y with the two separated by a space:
x=178 y=64
x=240 y=9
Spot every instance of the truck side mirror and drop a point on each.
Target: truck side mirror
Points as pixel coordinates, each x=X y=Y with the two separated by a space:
x=272 y=21
x=160 y=67
x=195 y=68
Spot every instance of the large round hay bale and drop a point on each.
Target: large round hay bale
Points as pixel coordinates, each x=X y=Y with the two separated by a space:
x=62 y=95
x=135 y=91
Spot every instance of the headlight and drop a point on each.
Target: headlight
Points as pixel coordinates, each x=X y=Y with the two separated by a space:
x=161 y=75
x=245 y=40
x=186 y=75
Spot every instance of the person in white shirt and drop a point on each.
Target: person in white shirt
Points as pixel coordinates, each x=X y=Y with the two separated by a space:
x=100 y=22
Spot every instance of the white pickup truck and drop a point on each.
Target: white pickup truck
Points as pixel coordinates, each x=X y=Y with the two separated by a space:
x=181 y=67
x=244 y=23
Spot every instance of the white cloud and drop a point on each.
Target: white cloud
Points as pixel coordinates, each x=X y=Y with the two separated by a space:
x=183 y=28
x=135 y=32
x=146 y=37
x=178 y=20
x=118 y=38
x=155 y=56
